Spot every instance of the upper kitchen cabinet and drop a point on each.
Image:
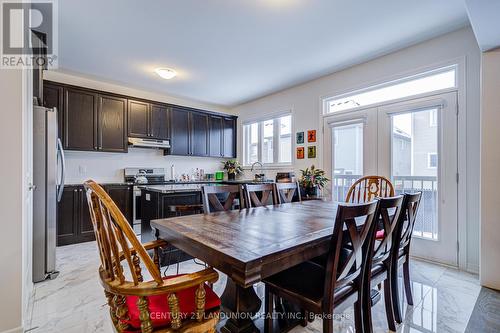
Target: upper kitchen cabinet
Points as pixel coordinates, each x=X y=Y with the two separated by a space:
x=229 y=137
x=112 y=124
x=53 y=97
x=148 y=120
x=199 y=134
x=80 y=125
x=159 y=121
x=138 y=119
x=216 y=135
x=179 y=132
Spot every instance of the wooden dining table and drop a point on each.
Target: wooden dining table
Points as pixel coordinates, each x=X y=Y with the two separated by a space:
x=251 y=244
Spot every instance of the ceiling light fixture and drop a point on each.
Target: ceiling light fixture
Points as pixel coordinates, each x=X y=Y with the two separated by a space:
x=166 y=73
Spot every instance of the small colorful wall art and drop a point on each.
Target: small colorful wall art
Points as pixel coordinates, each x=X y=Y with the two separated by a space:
x=311 y=136
x=300 y=153
x=311 y=152
x=300 y=138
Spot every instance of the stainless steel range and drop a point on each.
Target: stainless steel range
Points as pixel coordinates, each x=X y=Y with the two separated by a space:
x=139 y=176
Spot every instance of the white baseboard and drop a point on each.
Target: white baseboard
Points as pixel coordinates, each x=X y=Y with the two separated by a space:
x=472 y=268
x=14 y=330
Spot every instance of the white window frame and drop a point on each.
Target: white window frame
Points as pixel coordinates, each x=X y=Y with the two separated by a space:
x=433 y=118
x=276 y=140
x=429 y=166
x=325 y=100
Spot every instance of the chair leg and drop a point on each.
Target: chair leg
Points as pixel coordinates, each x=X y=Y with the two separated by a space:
x=407 y=282
x=268 y=311
x=328 y=324
x=388 y=305
x=395 y=294
x=360 y=318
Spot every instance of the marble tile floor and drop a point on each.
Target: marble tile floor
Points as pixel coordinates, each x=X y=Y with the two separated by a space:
x=444 y=298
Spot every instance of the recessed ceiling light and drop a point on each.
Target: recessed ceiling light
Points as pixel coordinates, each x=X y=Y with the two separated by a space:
x=166 y=73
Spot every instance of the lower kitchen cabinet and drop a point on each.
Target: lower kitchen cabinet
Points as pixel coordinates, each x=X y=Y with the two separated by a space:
x=73 y=217
x=155 y=205
x=122 y=195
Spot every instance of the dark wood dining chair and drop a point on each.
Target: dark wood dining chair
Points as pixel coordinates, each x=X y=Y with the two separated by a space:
x=343 y=282
x=211 y=197
x=367 y=188
x=402 y=238
x=286 y=191
x=388 y=213
x=267 y=195
x=183 y=303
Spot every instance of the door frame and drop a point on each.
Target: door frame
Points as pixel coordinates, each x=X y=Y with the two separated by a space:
x=447 y=170
x=326 y=155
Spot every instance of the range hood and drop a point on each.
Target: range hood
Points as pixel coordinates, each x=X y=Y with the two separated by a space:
x=149 y=143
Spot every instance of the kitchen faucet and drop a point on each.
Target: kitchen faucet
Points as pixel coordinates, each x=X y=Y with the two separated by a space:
x=261 y=175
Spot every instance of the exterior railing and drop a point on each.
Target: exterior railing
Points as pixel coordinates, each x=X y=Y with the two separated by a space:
x=426 y=225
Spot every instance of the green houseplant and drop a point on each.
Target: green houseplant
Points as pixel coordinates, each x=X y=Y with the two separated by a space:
x=233 y=168
x=312 y=180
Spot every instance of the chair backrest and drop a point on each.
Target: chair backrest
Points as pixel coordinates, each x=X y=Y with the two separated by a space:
x=211 y=194
x=368 y=188
x=389 y=210
x=286 y=191
x=268 y=193
x=408 y=216
x=115 y=238
x=351 y=247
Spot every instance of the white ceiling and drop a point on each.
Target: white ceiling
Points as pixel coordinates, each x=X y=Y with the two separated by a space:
x=231 y=51
x=485 y=20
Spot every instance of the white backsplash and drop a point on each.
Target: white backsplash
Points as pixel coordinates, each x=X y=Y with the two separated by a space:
x=108 y=167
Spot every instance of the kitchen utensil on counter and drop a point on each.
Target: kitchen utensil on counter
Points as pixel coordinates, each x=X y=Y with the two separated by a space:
x=140 y=177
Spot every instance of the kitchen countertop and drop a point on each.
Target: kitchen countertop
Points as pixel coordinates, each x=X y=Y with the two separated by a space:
x=179 y=183
x=190 y=186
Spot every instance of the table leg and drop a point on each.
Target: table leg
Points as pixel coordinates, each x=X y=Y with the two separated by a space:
x=240 y=305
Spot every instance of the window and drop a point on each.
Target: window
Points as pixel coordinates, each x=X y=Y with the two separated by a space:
x=432 y=160
x=439 y=79
x=433 y=118
x=268 y=141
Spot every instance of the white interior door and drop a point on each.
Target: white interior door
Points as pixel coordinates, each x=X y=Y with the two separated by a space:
x=417 y=149
x=414 y=143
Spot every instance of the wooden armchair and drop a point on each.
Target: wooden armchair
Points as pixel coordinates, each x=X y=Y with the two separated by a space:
x=367 y=188
x=182 y=303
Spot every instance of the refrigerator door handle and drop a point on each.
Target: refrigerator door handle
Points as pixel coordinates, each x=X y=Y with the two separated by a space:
x=60 y=152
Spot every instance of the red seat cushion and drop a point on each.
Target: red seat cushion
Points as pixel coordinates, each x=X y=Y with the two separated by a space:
x=160 y=311
x=380 y=235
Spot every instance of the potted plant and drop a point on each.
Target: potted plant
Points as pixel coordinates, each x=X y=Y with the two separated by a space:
x=312 y=180
x=233 y=168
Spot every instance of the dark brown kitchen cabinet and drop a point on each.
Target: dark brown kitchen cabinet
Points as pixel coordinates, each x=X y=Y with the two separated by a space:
x=229 y=137
x=138 y=119
x=91 y=120
x=112 y=124
x=180 y=132
x=199 y=134
x=122 y=195
x=53 y=97
x=148 y=120
x=80 y=125
x=159 y=121
x=216 y=135
x=73 y=217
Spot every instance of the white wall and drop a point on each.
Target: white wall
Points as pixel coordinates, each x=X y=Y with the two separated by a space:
x=108 y=167
x=11 y=199
x=305 y=102
x=490 y=167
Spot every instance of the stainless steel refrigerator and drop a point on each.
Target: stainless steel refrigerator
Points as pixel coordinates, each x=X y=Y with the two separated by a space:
x=48 y=181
